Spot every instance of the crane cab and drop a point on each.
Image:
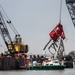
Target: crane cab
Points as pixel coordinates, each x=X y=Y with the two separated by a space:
x=17 y=46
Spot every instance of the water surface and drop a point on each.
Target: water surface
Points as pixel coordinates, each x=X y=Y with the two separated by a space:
x=39 y=72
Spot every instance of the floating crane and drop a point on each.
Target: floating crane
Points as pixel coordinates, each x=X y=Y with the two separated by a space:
x=15 y=46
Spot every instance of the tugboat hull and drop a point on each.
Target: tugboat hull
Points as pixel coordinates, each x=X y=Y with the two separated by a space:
x=47 y=67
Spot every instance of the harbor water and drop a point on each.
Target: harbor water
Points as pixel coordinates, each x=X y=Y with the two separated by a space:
x=39 y=72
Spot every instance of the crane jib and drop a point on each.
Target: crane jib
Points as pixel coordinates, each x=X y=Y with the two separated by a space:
x=71 y=8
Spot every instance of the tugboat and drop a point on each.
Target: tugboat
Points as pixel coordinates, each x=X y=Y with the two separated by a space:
x=49 y=65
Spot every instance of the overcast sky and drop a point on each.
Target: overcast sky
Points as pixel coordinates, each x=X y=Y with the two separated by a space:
x=34 y=19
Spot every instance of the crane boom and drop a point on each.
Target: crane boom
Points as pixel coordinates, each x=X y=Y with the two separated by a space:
x=15 y=46
x=4 y=31
x=71 y=8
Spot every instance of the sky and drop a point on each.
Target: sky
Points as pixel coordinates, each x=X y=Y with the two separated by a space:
x=34 y=20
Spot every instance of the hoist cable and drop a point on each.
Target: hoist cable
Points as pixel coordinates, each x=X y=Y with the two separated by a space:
x=60 y=11
x=9 y=21
x=6 y=19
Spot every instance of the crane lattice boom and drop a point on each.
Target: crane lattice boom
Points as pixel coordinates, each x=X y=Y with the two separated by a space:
x=15 y=46
x=71 y=8
x=4 y=31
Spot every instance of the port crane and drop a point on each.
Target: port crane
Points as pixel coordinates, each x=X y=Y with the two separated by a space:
x=15 y=46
